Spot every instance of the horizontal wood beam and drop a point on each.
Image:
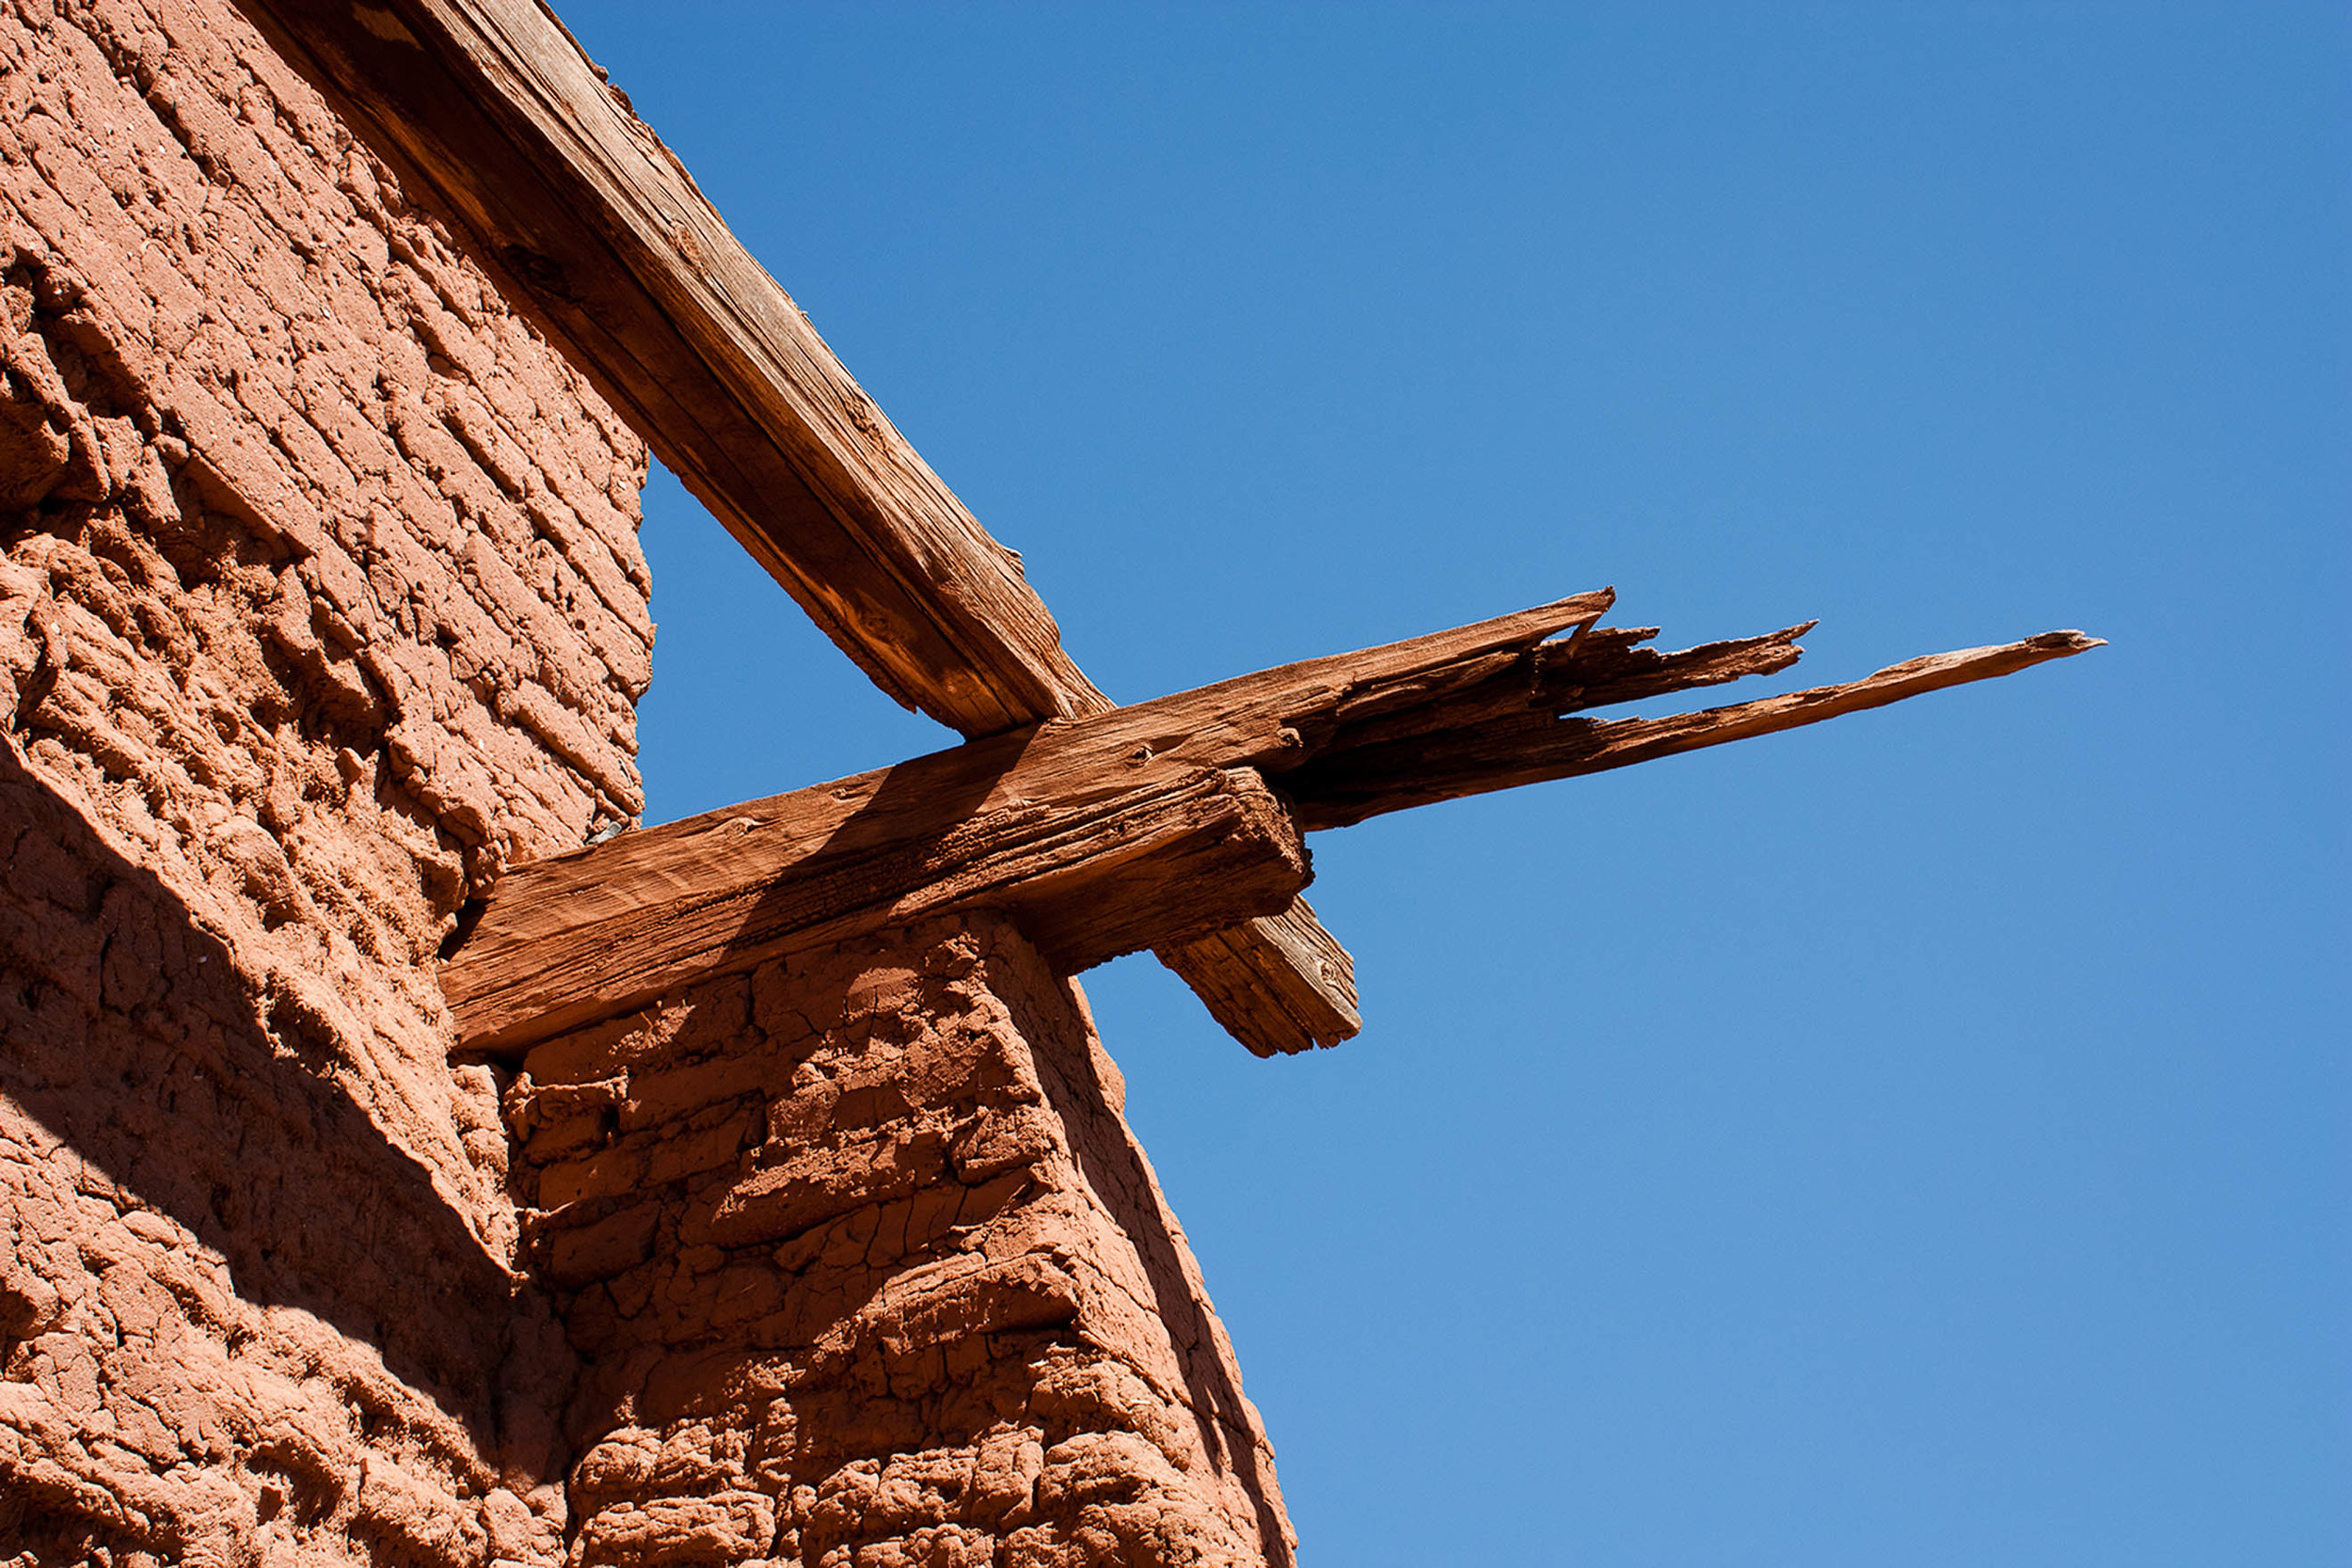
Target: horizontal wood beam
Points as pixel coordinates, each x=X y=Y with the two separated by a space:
x=1158 y=824
x=1101 y=836
x=1088 y=868
x=495 y=117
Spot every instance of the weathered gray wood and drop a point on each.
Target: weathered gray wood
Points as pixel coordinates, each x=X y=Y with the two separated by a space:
x=495 y=117
x=1148 y=825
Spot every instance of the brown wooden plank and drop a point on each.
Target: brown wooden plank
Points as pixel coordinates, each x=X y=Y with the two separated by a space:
x=1148 y=825
x=1481 y=708
x=1103 y=835
x=1279 y=719
x=495 y=117
x=1089 y=868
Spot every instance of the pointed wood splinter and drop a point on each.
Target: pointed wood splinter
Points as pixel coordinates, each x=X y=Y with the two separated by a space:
x=1367 y=772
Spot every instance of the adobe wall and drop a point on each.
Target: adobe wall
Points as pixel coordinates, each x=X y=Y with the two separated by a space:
x=863 y=1265
x=320 y=601
x=319 y=597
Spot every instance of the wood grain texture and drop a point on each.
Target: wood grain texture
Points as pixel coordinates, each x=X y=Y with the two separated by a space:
x=1488 y=707
x=1147 y=826
x=1366 y=772
x=1103 y=836
x=495 y=117
x=1308 y=1000
x=1087 y=868
x=1280 y=984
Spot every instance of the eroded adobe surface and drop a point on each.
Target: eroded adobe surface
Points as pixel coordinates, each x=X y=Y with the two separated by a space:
x=320 y=600
x=319 y=596
x=863 y=1264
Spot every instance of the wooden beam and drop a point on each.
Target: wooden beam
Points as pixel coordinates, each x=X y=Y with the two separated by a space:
x=1089 y=867
x=495 y=117
x=1151 y=825
x=1279 y=719
x=1103 y=836
x=1307 y=999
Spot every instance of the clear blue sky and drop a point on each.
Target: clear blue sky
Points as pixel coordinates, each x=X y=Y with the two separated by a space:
x=1918 y=1140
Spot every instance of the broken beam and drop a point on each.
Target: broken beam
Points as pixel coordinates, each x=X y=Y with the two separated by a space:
x=1151 y=825
x=494 y=115
x=1101 y=836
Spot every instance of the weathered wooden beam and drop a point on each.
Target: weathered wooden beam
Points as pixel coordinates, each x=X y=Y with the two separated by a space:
x=1279 y=719
x=495 y=118
x=1481 y=709
x=1101 y=836
x=1152 y=825
x=1275 y=1009
x=1088 y=867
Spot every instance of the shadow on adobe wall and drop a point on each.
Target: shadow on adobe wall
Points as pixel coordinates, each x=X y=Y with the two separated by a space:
x=126 y=1030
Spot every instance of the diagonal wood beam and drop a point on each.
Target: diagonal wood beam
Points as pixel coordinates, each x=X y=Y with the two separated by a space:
x=495 y=118
x=1161 y=823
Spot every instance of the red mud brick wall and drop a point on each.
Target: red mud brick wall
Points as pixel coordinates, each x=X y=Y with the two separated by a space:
x=320 y=601
x=863 y=1268
x=320 y=597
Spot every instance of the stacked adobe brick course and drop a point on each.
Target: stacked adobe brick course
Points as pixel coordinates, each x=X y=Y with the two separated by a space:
x=861 y=1260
